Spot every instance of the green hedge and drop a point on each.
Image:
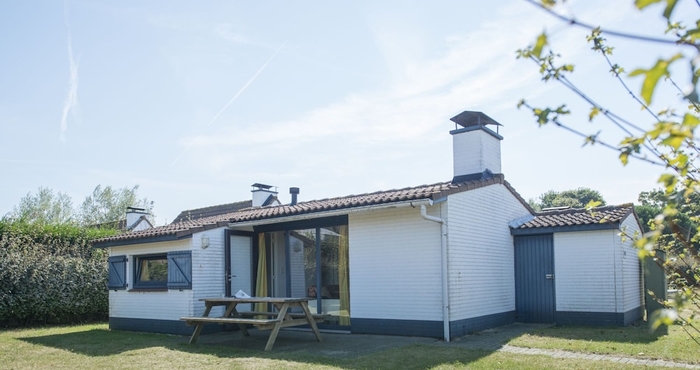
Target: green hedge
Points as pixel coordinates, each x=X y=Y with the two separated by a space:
x=51 y=274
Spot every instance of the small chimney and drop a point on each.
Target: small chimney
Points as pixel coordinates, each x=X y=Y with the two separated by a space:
x=133 y=219
x=294 y=192
x=476 y=148
x=263 y=195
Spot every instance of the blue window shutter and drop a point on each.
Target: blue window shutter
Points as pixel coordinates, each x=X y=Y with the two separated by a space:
x=117 y=272
x=180 y=270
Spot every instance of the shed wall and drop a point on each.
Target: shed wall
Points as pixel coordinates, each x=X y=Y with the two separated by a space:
x=632 y=285
x=585 y=266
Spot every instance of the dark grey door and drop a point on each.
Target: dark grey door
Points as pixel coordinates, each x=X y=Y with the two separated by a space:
x=534 y=278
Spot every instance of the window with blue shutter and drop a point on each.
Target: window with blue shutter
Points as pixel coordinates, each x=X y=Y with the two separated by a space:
x=117 y=272
x=180 y=270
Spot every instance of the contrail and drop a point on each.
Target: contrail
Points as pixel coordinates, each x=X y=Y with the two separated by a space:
x=242 y=89
x=71 y=102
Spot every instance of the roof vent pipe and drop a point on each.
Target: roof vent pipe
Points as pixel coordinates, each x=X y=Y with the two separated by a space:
x=294 y=192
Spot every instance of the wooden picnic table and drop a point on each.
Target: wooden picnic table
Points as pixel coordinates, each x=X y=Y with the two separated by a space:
x=262 y=320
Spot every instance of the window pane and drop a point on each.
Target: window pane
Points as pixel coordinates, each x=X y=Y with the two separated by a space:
x=154 y=270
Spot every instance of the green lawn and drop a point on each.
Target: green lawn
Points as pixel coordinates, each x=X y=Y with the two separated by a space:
x=95 y=346
x=632 y=341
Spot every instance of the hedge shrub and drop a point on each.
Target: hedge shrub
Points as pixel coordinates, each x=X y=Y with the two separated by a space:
x=51 y=274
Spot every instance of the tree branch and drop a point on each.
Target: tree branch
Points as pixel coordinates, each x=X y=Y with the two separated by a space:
x=574 y=22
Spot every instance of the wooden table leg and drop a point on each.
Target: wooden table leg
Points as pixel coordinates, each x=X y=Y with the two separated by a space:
x=310 y=319
x=198 y=328
x=278 y=325
x=232 y=312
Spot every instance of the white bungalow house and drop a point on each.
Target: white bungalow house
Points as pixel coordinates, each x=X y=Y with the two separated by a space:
x=438 y=260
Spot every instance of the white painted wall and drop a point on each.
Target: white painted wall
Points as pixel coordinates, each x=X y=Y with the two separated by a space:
x=474 y=151
x=480 y=251
x=631 y=286
x=585 y=271
x=208 y=269
x=168 y=305
x=395 y=270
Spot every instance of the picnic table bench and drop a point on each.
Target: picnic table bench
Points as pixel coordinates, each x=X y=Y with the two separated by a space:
x=262 y=320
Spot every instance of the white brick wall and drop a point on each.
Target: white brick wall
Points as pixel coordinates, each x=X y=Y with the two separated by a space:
x=395 y=268
x=475 y=151
x=585 y=271
x=208 y=266
x=168 y=305
x=632 y=284
x=481 y=260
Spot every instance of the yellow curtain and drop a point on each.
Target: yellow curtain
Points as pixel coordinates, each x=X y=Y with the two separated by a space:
x=261 y=281
x=145 y=274
x=343 y=276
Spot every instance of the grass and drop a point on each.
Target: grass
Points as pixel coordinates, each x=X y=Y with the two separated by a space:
x=632 y=341
x=95 y=346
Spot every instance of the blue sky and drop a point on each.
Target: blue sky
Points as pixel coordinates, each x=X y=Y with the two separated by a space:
x=196 y=101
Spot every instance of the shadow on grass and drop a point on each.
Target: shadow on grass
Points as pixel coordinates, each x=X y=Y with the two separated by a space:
x=348 y=351
x=634 y=334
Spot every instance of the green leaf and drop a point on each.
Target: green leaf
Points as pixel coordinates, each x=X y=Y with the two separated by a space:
x=624 y=158
x=690 y=120
x=653 y=75
x=594 y=112
x=593 y=204
x=674 y=141
x=539 y=45
x=670 y=5
x=641 y=4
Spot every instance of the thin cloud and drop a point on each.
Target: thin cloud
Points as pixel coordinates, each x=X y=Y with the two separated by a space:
x=240 y=91
x=70 y=106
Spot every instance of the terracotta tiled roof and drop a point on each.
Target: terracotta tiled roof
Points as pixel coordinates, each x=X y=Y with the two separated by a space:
x=579 y=216
x=195 y=214
x=432 y=191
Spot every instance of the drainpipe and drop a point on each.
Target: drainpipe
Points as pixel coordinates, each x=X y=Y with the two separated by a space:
x=443 y=252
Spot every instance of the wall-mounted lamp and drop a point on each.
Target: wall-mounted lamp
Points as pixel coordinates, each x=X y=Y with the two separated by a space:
x=297 y=247
x=205 y=241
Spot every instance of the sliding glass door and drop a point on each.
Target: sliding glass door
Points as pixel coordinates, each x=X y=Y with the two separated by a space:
x=309 y=259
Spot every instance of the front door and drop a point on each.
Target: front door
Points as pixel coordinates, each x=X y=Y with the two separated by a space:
x=240 y=268
x=534 y=279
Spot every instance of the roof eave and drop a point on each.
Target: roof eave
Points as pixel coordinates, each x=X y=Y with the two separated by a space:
x=564 y=228
x=141 y=240
x=332 y=212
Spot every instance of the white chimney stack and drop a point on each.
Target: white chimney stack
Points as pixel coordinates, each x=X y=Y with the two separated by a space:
x=134 y=216
x=263 y=195
x=475 y=147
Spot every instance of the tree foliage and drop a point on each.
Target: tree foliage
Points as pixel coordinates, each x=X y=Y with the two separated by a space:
x=108 y=204
x=575 y=198
x=44 y=208
x=104 y=205
x=667 y=139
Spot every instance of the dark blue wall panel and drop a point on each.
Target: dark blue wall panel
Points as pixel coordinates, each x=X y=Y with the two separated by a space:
x=467 y=326
x=534 y=278
x=414 y=328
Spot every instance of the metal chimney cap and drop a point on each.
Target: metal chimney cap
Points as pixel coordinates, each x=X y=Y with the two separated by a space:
x=261 y=186
x=294 y=190
x=472 y=118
